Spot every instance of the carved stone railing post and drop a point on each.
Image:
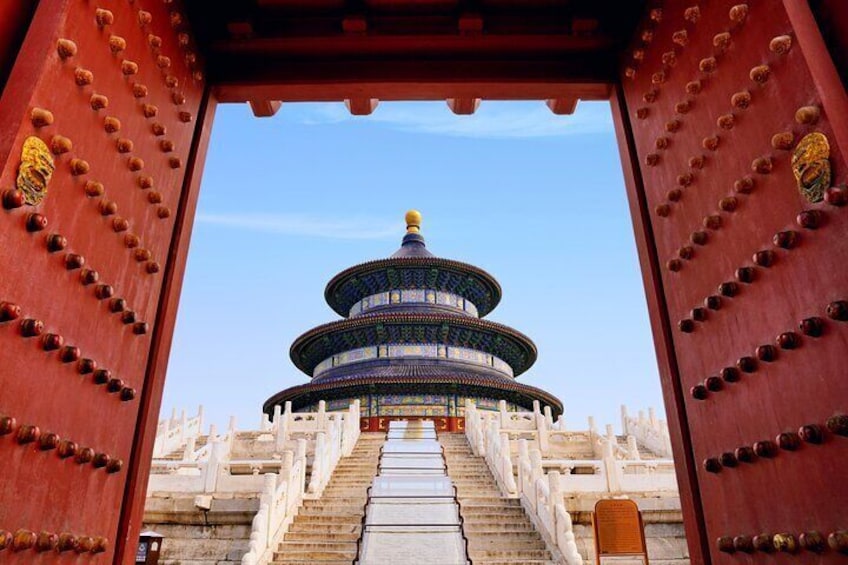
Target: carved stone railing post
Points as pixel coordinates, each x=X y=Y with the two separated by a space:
x=188 y=452
x=281 y=420
x=301 y=456
x=506 y=461
x=318 y=463
x=523 y=457
x=542 y=428
x=611 y=469
x=322 y=413
x=217 y=457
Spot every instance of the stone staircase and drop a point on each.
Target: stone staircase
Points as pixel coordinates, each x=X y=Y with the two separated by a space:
x=177 y=454
x=498 y=530
x=326 y=530
x=645 y=453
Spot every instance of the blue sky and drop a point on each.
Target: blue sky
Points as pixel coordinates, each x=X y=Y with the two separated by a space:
x=537 y=200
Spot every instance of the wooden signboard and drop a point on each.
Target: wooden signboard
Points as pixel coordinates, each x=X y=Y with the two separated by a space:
x=618 y=529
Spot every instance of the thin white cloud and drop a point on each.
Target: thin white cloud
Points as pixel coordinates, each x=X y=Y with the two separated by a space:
x=304 y=225
x=494 y=120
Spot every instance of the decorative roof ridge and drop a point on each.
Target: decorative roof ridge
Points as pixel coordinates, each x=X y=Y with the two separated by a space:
x=366 y=320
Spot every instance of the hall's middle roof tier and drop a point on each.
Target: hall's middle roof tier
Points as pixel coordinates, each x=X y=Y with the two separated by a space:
x=321 y=342
x=413 y=272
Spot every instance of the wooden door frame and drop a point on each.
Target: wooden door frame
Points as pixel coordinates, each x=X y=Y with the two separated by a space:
x=135 y=495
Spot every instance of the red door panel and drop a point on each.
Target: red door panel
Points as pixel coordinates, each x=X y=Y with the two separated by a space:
x=719 y=96
x=110 y=89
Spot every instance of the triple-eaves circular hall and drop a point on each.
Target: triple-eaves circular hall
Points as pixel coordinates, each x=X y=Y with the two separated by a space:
x=413 y=343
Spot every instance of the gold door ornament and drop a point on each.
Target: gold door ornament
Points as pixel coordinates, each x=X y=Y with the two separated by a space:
x=35 y=171
x=811 y=166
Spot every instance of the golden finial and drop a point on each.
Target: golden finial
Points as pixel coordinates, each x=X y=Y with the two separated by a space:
x=413 y=221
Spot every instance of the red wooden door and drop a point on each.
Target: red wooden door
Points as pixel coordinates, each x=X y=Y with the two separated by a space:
x=99 y=124
x=732 y=123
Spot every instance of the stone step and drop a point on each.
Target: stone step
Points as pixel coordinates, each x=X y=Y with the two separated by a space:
x=334 y=548
x=491 y=519
x=308 y=559
x=503 y=541
x=500 y=527
x=357 y=488
x=348 y=511
x=313 y=555
x=356 y=468
x=522 y=555
x=325 y=528
x=520 y=561
x=321 y=536
x=328 y=503
x=324 y=519
x=472 y=500
x=499 y=510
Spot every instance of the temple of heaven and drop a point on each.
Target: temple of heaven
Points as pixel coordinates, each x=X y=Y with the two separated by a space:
x=413 y=343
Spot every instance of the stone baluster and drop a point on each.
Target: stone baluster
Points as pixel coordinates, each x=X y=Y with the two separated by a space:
x=218 y=455
x=231 y=430
x=278 y=413
x=318 y=462
x=523 y=457
x=549 y=417
x=555 y=490
x=188 y=450
x=503 y=413
x=611 y=469
x=632 y=448
x=322 y=414
x=282 y=427
x=183 y=426
x=508 y=477
x=301 y=456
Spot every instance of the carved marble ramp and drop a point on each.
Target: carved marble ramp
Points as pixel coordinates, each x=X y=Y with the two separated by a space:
x=498 y=530
x=413 y=516
x=326 y=530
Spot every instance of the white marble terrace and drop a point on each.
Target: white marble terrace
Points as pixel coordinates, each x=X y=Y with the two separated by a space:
x=556 y=472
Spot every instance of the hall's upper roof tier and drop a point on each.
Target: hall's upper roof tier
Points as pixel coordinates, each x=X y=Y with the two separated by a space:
x=413 y=267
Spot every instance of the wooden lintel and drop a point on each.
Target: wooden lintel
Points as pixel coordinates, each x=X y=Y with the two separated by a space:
x=265 y=108
x=352 y=44
x=385 y=90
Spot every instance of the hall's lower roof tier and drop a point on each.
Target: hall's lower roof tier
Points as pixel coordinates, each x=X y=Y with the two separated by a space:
x=327 y=340
x=415 y=380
